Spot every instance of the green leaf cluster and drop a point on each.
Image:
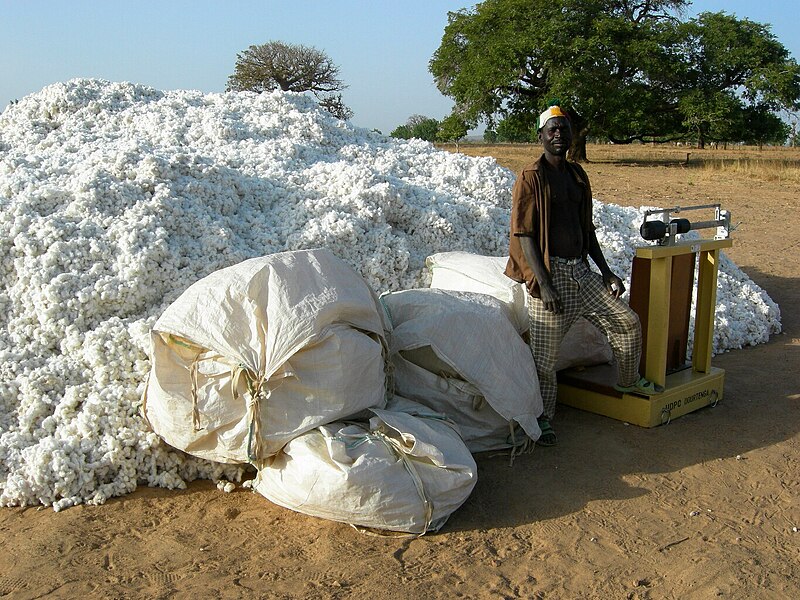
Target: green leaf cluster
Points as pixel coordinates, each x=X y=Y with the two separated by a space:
x=418 y=126
x=625 y=70
x=452 y=129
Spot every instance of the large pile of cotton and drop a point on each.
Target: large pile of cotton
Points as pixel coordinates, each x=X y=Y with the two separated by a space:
x=115 y=197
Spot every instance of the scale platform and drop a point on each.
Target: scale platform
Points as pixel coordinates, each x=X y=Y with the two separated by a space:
x=685 y=391
x=662 y=285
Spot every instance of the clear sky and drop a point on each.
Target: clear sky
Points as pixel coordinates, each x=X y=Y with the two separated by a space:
x=381 y=46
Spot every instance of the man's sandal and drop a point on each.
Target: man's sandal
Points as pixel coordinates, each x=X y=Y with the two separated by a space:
x=548 y=437
x=643 y=386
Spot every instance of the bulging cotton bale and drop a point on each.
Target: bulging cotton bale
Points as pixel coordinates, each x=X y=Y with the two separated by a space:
x=406 y=470
x=467 y=272
x=458 y=353
x=253 y=355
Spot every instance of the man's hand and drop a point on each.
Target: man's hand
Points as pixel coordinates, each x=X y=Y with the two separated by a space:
x=550 y=297
x=613 y=284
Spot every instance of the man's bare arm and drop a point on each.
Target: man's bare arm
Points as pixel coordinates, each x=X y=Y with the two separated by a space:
x=547 y=291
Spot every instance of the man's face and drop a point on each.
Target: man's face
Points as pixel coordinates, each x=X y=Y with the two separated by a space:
x=556 y=136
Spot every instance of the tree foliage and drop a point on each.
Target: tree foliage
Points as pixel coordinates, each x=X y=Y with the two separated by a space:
x=418 y=126
x=517 y=127
x=625 y=70
x=762 y=126
x=735 y=74
x=291 y=68
x=452 y=129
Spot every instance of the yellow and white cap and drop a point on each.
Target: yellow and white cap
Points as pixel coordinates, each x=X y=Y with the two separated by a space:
x=553 y=111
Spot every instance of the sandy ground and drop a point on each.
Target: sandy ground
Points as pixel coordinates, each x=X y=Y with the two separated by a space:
x=706 y=506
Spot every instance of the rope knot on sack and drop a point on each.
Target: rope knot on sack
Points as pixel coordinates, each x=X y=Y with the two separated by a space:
x=259 y=392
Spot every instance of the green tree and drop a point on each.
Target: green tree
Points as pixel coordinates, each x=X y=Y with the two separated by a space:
x=762 y=126
x=402 y=132
x=711 y=116
x=624 y=70
x=418 y=126
x=520 y=128
x=452 y=129
x=510 y=57
x=291 y=68
x=736 y=73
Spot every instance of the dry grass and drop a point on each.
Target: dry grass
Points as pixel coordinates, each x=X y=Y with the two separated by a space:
x=766 y=169
x=774 y=164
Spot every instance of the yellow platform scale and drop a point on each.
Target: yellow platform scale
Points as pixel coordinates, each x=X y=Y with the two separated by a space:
x=661 y=294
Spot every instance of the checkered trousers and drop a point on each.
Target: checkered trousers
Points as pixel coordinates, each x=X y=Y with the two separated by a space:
x=582 y=294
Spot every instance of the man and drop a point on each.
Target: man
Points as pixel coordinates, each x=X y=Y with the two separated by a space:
x=552 y=237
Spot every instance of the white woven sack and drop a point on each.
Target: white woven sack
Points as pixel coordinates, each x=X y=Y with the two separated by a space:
x=481 y=427
x=466 y=272
x=469 y=333
x=255 y=354
x=401 y=472
x=583 y=346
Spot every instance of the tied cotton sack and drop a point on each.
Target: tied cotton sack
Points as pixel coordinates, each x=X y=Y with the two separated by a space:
x=255 y=354
x=458 y=354
x=584 y=344
x=406 y=470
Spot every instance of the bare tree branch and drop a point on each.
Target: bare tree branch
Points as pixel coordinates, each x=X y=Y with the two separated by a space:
x=291 y=68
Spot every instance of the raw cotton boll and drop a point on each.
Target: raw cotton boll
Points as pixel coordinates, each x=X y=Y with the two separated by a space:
x=116 y=197
x=226 y=486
